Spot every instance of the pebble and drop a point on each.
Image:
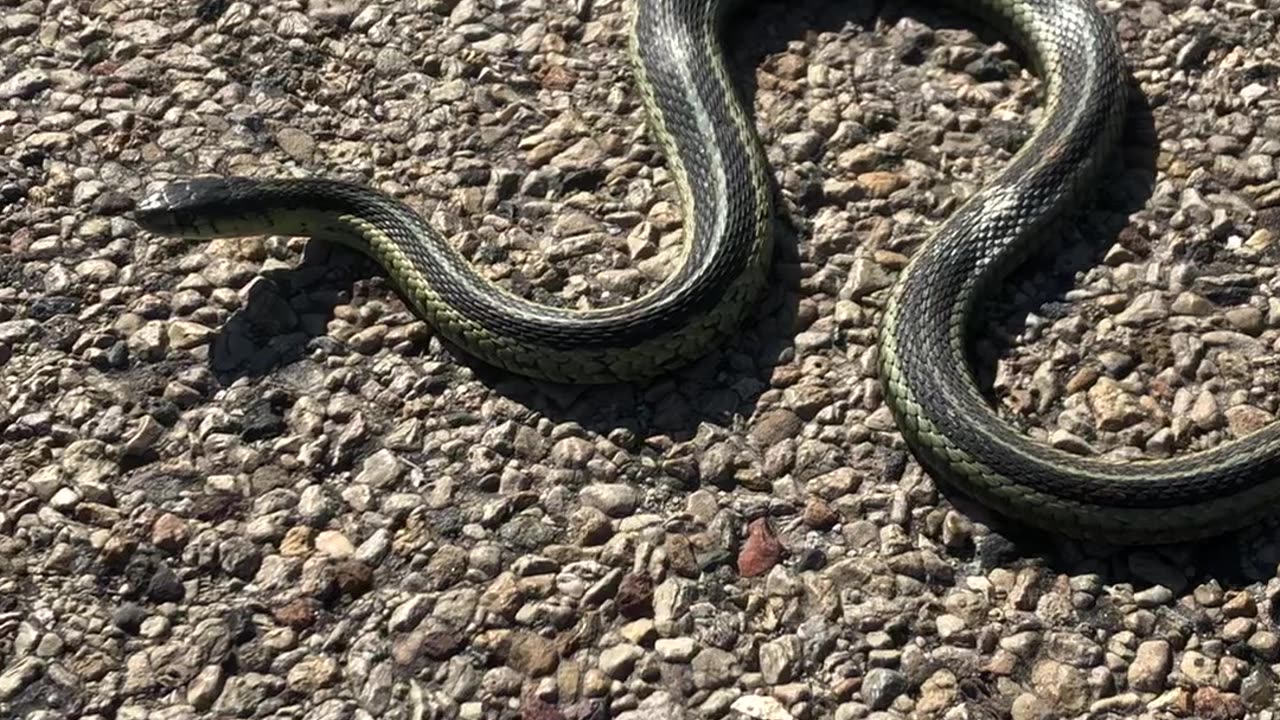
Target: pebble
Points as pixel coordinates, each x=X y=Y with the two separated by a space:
x=1248 y=320
x=17 y=676
x=677 y=650
x=312 y=674
x=187 y=335
x=1154 y=596
x=714 y=668
x=1150 y=666
x=205 y=687
x=65 y=499
x=16 y=331
x=1189 y=303
x=613 y=499
x=297 y=144
x=775 y=426
x=761 y=550
x=635 y=596
x=618 y=661
x=881 y=184
x=382 y=469
x=780 y=659
x=170 y=533
x=760 y=707
x=129 y=617
x=243 y=693
x=1258 y=689
x=532 y=654
x=1144 y=309
x=1066 y=687
x=865 y=277
x=1198 y=668
x=1114 y=407
x=1265 y=644
x=1245 y=419
x=882 y=686
x=1028 y=706
x=1212 y=704
x=164 y=585
x=24 y=84
x=334 y=544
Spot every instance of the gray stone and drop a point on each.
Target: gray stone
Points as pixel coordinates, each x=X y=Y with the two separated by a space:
x=1028 y=706
x=780 y=659
x=1153 y=596
x=312 y=674
x=1115 y=407
x=1074 y=649
x=614 y=499
x=760 y=707
x=534 y=655
x=881 y=686
x=240 y=557
x=164 y=585
x=382 y=469
x=1144 y=309
x=714 y=668
x=24 y=84
x=1064 y=686
x=408 y=614
x=297 y=144
x=245 y=693
x=204 y=688
x=677 y=650
x=16 y=331
x=617 y=661
x=1258 y=689
x=65 y=500
x=1198 y=667
x=18 y=676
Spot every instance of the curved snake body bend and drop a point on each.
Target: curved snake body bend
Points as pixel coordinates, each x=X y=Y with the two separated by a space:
x=719 y=168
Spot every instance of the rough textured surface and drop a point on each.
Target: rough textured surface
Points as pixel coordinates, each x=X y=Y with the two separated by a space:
x=240 y=480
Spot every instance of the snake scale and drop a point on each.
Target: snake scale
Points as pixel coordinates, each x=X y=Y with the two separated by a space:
x=718 y=165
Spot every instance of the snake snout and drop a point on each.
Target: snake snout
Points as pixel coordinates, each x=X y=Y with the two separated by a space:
x=155 y=213
x=178 y=207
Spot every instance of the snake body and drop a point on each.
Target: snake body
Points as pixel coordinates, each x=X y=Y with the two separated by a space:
x=721 y=175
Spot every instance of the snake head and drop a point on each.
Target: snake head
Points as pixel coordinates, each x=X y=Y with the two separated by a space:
x=196 y=208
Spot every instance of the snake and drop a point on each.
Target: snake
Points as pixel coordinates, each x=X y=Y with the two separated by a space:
x=720 y=172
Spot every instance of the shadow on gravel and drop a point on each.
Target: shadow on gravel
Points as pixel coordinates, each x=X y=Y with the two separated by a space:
x=266 y=336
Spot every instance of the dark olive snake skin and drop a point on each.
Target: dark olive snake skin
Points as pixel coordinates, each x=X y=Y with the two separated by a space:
x=714 y=155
